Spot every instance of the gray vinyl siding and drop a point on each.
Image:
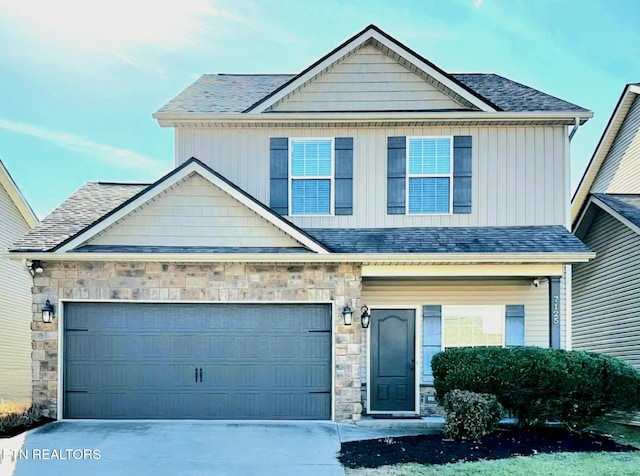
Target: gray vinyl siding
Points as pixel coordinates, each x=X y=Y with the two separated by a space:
x=367 y=80
x=194 y=213
x=606 y=301
x=15 y=303
x=519 y=173
x=620 y=172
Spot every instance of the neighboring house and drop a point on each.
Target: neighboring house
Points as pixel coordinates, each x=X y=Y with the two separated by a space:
x=606 y=215
x=16 y=218
x=372 y=178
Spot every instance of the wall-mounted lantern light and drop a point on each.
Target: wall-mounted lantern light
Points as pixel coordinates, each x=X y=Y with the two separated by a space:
x=365 y=316
x=47 y=312
x=36 y=267
x=347 y=314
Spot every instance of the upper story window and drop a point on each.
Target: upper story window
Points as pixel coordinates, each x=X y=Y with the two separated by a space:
x=429 y=177
x=312 y=176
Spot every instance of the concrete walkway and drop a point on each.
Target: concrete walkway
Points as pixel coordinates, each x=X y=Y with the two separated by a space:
x=172 y=448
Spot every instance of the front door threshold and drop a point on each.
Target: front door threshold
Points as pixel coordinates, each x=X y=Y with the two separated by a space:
x=393 y=416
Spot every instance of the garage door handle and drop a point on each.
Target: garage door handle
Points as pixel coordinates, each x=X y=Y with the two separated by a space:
x=196 y=374
x=200 y=374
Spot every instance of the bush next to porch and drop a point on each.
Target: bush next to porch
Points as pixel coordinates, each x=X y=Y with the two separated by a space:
x=470 y=415
x=535 y=384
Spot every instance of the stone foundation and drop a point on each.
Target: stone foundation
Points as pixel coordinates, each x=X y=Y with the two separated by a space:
x=172 y=282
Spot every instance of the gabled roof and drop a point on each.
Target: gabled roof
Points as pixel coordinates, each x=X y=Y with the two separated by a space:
x=623 y=207
x=219 y=94
x=373 y=34
x=616 y=120
x=7 y=182
x=497 y=239
x=62 y=231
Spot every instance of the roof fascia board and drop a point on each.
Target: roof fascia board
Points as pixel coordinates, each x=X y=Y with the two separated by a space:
x=371 y=258
x=609 y=134
x=191 y=166
x=169 y=119
x=611 y=212
x=371 y=32
x=7 y=182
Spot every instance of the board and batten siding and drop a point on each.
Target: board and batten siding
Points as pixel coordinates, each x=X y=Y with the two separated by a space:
x=194 y=213
x=519 y=173
x=15 y=309
x=620 y=171
x=367 y=80
x=606 y=301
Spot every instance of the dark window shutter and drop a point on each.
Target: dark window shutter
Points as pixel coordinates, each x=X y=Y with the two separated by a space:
x=279 y=175
x=514 y=326
x=396 y=175
x=344 y=176
x=431 y=338
x=462 y=174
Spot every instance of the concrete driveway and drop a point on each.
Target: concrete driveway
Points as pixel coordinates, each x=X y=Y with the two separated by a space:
x=175 y=448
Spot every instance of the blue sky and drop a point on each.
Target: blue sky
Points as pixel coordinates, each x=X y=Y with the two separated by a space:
x=80 y=79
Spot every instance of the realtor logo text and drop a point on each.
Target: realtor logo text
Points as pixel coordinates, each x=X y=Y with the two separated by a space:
x=49 y=454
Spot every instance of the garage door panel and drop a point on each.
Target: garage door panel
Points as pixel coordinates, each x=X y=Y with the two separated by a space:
x=126 y=360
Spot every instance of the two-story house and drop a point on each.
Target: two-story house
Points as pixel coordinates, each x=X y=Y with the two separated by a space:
x=322 y=236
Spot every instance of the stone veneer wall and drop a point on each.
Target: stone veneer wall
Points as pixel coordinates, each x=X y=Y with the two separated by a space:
x=207 y=282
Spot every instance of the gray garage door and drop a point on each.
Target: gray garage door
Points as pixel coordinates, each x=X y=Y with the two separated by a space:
x=125 y=360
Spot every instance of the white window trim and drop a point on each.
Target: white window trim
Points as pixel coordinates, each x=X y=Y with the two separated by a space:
x=504 y=323
x=408 y=176
x=332 y=178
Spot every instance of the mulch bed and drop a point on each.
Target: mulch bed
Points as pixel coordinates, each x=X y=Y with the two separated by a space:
x=16 y=430
x=504 y=443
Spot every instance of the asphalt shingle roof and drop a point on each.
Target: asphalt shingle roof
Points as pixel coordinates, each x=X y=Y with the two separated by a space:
x=234 y=93
x=94 y=200
x=627 y=205
x=86 y=205
x=516 y=239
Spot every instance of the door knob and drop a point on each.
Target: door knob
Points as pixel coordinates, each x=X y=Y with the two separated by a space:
x=412 y=364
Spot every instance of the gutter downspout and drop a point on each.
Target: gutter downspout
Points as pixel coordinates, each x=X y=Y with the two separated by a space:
x=575 y=129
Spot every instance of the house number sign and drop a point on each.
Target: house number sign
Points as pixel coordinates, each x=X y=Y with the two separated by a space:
x=554 y=312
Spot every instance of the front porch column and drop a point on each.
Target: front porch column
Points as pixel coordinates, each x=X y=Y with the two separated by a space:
x=554 y=312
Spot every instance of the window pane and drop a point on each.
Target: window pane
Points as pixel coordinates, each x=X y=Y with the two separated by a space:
x=473 y=326
x=311 y=158
x=311 y=197
x=429 y=195
x=430 y=156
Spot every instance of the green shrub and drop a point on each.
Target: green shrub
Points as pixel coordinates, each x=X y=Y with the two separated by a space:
x=535 y=384
x=470 y=415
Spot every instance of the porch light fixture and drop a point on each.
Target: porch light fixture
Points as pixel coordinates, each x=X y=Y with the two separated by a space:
x=347 y=314
x=36 y=267
x=47 y=312
x=365 y=316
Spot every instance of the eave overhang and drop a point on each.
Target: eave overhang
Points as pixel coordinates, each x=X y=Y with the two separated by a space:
x=433 y=118
x=364 y=258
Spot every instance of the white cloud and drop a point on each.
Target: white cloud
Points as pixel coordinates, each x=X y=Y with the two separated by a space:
x=478 y=3
x=121 y=158
x=76 y=30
